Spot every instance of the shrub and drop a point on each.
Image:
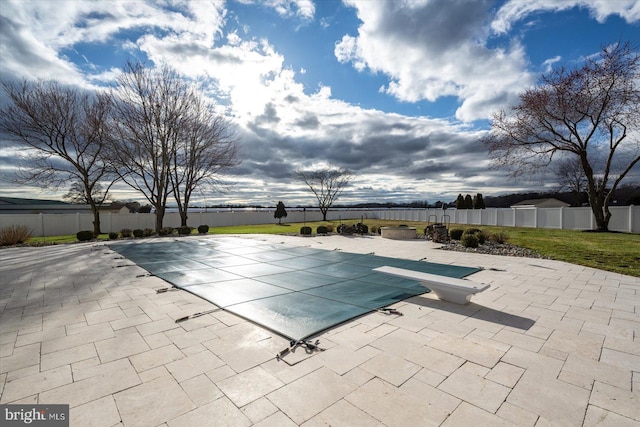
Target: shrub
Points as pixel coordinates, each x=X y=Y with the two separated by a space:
x=166 y=231
x=478 y=233
x=184 y=230
x=322 y=229
x=149 y=232
x=138 y=233
x=305 y=231
x=363 y=229
x=374 y=229
x=14 y=234
x=499 y=237
x=84 y=235
x=126 y=232
x=113 y=235
x=329 y=228
x=203 y=229
x=481 y=237
x=470 y=240
x=456 y=233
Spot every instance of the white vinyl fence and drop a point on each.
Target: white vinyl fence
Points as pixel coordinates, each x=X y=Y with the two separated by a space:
x=624 y=218
x=63 y=224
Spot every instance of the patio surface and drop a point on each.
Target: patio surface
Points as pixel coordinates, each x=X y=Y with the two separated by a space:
x=550 y=343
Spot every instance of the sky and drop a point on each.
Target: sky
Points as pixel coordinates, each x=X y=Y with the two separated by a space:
x=398 y=92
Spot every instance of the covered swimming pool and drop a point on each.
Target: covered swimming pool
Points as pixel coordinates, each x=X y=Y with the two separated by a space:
x=294 y=291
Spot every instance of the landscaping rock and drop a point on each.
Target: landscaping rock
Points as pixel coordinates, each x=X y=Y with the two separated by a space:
x=493 y=248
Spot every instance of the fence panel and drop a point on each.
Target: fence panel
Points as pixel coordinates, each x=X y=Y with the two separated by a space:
x=549 y=218
x=577 y=219
x=525 y=218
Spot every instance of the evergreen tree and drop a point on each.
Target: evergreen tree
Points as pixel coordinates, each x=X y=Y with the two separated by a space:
x=468 y=202
x=281 y=212
x=460 y=202
x=478 y=202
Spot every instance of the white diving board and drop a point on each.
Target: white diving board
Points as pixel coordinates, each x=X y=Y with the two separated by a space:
x=446 y=288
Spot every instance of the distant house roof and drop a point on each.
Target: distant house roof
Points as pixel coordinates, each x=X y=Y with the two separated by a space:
x=115 y=208
x=541 y=203
x=14 y=205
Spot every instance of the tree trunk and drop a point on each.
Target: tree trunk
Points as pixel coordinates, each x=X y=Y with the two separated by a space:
x=600 y=212
x=159 y=218
x=96 y=220
x=324 y=213
x=183 y=218
x=596 y=198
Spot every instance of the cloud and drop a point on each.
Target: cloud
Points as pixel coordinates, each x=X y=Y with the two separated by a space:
x=548 y=64
x=426 y=50
x=304 y=9
x=34 y=35
x=517 y=10
x=25 y=56
x=435 y=49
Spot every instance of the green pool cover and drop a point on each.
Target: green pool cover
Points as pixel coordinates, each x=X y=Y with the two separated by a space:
x=296 y=292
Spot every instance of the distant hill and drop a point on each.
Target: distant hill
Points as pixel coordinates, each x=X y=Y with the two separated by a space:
x=15 y=201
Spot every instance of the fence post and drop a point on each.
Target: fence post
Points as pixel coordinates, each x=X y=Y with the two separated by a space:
x=561 y=217
x=631 y=209
x=77 y=221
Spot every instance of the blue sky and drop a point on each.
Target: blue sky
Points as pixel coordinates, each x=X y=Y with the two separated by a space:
x=399 y=92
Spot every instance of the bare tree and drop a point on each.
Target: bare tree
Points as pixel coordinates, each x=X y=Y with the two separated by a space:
x=326 y=184
x=78 y=194
x=591 y=112
x=150 y=106
x=66 y=130
x=570 y=176
x=206 y=146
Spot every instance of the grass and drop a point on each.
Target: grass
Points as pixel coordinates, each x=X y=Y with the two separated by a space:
x=616 y=252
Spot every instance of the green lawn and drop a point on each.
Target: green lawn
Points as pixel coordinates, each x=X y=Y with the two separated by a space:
x=617 y=252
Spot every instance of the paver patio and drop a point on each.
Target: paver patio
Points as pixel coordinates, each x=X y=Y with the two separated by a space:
x=549 y=343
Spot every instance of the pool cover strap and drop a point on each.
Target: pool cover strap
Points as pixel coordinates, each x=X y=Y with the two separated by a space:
x=310 y=347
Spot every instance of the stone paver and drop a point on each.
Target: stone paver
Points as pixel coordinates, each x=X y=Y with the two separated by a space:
x=34 y=384
x=249 y=385
x=470 y=387
x=549 y=343
x=616 y=400
x=99 y=412
x=395 y=407
x=94 y=383
x=296 y=401
x=555 y=400
x=468 y=415
x=392 y=369
x=153 y=403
